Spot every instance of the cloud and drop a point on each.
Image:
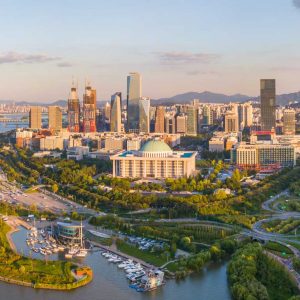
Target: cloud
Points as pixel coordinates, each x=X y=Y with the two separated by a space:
x=197 y=72
x=296 y=3
x=64 y=65
x=187 y=57
x=15 y=57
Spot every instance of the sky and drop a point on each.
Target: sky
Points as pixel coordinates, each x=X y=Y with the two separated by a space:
x=178 y=46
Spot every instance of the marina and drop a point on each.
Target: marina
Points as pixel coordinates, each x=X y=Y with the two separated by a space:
x=110 y=281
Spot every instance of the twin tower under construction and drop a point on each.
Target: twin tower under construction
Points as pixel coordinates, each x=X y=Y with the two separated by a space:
x=89 y=109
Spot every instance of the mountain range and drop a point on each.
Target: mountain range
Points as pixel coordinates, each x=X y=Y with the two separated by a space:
x=206 y=97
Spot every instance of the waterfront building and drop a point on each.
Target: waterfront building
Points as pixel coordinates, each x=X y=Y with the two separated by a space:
x=55 y=118
x=89 y=110
x=289 y=122
x=160 y=119
x=35 y=117
x=73 y=111
x=134 y=93
x=268 y=103
x=68 y=233
x=154 y=160
x=115 y=113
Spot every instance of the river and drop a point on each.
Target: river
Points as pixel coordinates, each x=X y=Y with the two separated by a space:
x=109 y=283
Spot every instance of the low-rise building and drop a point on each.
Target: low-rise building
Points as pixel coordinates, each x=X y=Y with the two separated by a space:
x=154 y=160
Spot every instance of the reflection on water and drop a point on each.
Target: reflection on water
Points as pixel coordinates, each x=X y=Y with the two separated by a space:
x=109 y=283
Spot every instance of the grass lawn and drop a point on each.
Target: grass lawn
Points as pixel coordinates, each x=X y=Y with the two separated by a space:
x=278 y=249
x=25 y=269
x=151 y=258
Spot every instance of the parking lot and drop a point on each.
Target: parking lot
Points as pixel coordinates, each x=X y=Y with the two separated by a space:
x=13 y=195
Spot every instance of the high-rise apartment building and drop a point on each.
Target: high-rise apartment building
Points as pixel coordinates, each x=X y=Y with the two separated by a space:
x=181 y=121
x=35 y=117
x=55 y=118
x=89 y=110
x=160 y=119
x=289 y=122
x=245 y=115
x=192 y=120
x=134 y=93
x=207 y=115
x=144 y=115
x=170 y=123
x=268 y=103
x=115 y=112
x=231 y=122
x=73 y=111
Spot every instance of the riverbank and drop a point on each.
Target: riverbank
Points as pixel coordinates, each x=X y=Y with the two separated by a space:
x=38 y=274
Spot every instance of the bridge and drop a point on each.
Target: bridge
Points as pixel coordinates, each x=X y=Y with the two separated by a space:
x=13 y=121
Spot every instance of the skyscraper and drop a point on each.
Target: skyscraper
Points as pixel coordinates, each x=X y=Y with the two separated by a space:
x=289 y=122
x=55 y=118
x=268 y=103
x=89 y=110
x=144 y=115
x=73 y=111
x=115 y=112
x=160 y=119
x=192 y=120
x=134 y=93
x=35 y=117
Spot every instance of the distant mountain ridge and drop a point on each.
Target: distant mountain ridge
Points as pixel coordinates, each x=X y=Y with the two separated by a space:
x=185 y=98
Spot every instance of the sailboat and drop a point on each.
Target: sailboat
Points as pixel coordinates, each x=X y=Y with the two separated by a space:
x=82 y=252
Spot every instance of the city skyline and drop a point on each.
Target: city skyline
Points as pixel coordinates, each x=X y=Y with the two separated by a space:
x=182 y=50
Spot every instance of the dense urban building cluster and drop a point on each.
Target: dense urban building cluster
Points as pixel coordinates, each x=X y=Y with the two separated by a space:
x=259 y=136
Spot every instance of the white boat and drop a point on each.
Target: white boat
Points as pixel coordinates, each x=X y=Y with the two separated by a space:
x=82 y=253
x=68 y=255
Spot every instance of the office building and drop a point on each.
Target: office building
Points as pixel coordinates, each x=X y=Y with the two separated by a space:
x=73 y=111
x=89 y=110
x=160 y=119
x=35 y=117
x=134 y=93
x=289 y=122
x=154 y=160
x=55 y=118
x=192 y=120
x=115 y=112
x=144 y=115
x=268 y=103
x=262 y=155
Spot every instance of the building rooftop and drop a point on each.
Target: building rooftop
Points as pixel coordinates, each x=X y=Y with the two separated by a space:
x=155 y=146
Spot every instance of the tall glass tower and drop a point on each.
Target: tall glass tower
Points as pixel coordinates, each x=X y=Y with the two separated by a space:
x=134 y=92
x=144 y=115
x=115 y=112
x=268 y=104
